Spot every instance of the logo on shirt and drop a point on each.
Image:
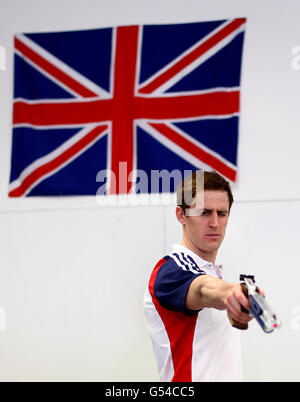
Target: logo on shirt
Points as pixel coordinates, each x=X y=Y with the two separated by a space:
x=186 y=262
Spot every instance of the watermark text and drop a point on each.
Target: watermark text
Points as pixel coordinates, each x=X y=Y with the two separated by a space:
x=295 y=63
x=156 y=187
x=2 y=59
x=295 y=323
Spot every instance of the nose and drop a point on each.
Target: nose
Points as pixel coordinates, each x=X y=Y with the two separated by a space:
x=214 y=222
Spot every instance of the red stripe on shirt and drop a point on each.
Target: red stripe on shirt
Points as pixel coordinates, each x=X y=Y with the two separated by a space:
x=180 y=330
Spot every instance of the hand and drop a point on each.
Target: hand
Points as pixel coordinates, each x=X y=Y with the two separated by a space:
x=233 y=301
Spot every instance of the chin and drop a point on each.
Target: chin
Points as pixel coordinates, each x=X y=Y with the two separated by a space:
x=212 y=246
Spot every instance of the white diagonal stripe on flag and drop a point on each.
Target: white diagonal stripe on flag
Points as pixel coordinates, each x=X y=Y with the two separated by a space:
x=60 y=65
x=196 y=63
x=58 y=152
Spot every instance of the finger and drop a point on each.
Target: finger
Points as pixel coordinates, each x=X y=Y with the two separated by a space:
x=238 y=315
x=244 y=304
x=260 y=291
x=237 y=301
x=234 y=309
x=242 y=299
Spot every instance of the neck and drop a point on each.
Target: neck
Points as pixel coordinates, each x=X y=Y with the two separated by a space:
x=205 y=255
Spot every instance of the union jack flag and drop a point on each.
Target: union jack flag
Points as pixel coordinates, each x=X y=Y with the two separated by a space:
x=153 y=97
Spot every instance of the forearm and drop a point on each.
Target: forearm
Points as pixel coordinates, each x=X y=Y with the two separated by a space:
x=208 y=291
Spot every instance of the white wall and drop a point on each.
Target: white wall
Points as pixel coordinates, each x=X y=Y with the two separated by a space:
x=72 y=274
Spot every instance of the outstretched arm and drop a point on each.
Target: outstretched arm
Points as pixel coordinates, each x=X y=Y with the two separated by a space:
x=208 y=291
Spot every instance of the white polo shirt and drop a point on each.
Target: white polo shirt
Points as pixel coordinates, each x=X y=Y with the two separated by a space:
x=189 y=345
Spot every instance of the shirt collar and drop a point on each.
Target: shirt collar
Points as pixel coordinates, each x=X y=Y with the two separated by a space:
x=209 y=266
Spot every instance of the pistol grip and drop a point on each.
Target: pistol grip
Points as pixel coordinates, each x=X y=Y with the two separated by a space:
x=234 y=323
x=245 y=291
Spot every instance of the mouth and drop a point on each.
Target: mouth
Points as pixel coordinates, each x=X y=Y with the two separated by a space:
x=213 y=236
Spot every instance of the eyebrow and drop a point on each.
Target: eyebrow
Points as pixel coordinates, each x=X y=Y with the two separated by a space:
x=218 y=210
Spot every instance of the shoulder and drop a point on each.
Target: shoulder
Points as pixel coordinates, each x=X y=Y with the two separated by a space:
x=171 y=279
x=174 y=271
x=184 y=261
x=176 y=263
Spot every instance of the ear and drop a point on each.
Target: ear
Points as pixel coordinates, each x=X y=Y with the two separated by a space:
x=180 y=215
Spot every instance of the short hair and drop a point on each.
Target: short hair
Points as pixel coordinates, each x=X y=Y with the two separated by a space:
x=211 y=180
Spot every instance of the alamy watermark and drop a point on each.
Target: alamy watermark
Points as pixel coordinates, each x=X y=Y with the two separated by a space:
x=156 y=187
x=2 y=58
x=295 y=323
x=295 y=63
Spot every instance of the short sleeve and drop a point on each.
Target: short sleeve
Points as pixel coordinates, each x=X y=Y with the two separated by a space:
x=172 y=284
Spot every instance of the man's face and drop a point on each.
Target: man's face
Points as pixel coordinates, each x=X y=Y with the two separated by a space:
x=205 y=228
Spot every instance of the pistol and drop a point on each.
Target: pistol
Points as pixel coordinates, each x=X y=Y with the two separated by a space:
x=259 y=308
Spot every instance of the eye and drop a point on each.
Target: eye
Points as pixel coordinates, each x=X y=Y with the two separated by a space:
x=205 y=213
x=222 y=213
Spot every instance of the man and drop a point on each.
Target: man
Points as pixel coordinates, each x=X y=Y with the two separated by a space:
x=187 y=304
